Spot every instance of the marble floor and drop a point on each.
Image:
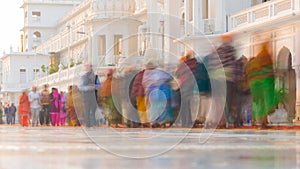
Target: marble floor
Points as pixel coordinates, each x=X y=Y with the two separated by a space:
x=94 y=148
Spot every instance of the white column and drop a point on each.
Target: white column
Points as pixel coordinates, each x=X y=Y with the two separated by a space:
x=197 y=16
x=109 y=58
x=296 y=66
x=90 y=48
x=94 y=55
x=153 y=23
x=186 y=15
x=220 y=16
x=296 y=4
x=172 y=30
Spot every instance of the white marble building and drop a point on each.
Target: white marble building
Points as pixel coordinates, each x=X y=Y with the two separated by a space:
x=101 y=32
x=19 y=70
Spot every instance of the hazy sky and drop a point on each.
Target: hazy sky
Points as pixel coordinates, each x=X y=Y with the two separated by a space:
x=11 y=17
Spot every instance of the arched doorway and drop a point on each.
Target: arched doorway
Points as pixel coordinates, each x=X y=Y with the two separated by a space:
x=286 y=79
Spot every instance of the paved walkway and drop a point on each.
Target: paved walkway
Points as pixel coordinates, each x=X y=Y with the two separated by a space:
x=52 y=147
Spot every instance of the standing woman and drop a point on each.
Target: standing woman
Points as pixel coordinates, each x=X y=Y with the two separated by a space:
x=24 y=109
x=62 y=112
x=261 y=76
x=54 y=106
x=71 y=110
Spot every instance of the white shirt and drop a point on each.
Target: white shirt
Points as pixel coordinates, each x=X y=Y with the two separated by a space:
x=34 y=98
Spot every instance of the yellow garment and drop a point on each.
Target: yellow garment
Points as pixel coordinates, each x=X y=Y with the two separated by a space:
x=142 y=109
x=70 y=99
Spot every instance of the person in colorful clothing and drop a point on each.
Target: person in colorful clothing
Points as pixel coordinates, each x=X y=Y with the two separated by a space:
x=71 y=109
x=158 y=92
x=114 y=117
x=54 y=106
x=185 y=76
x=138 y=99
x=62 y=111
x=261 y=77
x=1 y=113
x=24 y=109
x=34 y=98
x=45 y=102
x=88 y=87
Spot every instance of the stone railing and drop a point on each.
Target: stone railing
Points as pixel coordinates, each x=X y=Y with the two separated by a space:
x=14 y=87
x=64 y=75
x=206 y=26
x=53 y=1
x=61 y=41
x=263 y=12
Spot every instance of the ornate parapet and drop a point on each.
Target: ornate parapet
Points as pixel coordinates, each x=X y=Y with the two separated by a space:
x=113 y=8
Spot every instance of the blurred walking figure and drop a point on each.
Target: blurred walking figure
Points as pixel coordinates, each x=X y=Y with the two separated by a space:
x=55 y=106
x=62 y=109
x=202 y=91
x=24 y=109
x=185 y=75
x=71 y=109
x=34 y=99
x=157 y=86
x=261 y=76
x=45 y=102
x=227 y=55
x=88 y=86
x=138 y=97
x=127 y=106
x=113 y=116
x=242 y=90
x=77 y=101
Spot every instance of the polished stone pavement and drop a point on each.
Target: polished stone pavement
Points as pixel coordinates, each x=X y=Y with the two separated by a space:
x=64 y=147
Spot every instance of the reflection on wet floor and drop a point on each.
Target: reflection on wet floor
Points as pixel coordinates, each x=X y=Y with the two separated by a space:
x=176 y=149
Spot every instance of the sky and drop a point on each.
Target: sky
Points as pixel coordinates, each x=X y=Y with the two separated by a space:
x=11 y=17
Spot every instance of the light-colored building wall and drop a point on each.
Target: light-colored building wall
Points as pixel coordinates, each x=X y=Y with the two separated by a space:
x=42 y=16
x=19 y=69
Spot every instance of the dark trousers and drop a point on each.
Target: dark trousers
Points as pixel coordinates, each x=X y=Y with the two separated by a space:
x=185 y=111
x=45 y=115
x=231 y=89
x=90 y=105
x=9 y=118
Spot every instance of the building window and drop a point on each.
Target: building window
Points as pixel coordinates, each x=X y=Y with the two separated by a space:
x=22 y=75
x=101 y=45
x=25 y=14
x=37 y=34
x=118 y=44
x=36 y=14
x=36 y=70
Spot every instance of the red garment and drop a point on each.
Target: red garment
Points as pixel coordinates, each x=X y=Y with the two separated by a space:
x=24 y=109
x=185 y=71
x=137 y=86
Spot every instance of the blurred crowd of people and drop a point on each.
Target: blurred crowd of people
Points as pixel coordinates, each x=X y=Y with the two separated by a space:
x=188 y=95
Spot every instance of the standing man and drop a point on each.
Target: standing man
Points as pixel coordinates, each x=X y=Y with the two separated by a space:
x=34 y=99
x=88 y=86
x=45 y=102
x=13 y=111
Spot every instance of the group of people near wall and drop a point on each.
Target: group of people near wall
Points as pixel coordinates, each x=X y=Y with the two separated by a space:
x=188 y=95
x=9 y=112
x=42 y=108
x=191 y=94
